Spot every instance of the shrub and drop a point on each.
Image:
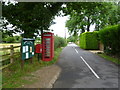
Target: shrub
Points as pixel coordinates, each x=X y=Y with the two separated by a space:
x=71 y=39
x=12 y=39
x=59 y=42
x=89 y=40
x=9 y=39
x=109 y=36
x=17 y=39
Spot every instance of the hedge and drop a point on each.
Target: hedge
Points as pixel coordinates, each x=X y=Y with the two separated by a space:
x=59 y=42
x=89 y=40
x=110 y=37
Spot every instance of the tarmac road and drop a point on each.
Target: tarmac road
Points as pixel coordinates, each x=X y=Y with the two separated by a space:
x=83 y=69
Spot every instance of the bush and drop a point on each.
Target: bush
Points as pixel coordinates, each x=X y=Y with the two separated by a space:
x=17 y=39
x=71 y=39
x=59 y=42
x=12 y=39
x=109 y=36
x=89 y=40
x=9 y=39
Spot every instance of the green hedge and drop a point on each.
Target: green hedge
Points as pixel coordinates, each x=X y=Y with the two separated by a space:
x=110 y=37
x=10 y=39
x=89 y=40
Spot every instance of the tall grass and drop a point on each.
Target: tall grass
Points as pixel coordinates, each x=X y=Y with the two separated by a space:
x=114 y=60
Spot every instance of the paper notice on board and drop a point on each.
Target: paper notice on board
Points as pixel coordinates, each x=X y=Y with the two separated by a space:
x=30 y=49
x=27 y=55
x=32 y=53
x=24 y=49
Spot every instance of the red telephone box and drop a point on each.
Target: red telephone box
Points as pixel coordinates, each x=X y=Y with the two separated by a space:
x=47 y=46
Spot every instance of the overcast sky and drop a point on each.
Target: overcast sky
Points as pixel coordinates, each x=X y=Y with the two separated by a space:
x=59 y=28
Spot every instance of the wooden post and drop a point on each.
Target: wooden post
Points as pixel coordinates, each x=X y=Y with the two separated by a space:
x=11 y=54
x=31 y=60
x=38 y=57
x=22 y=64
x=101 y=46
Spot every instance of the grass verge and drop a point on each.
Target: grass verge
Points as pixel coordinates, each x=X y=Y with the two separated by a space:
x=114 y=60
x=13 y=75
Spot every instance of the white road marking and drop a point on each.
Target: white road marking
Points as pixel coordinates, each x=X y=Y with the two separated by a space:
x=90 y=67
x=76 y=51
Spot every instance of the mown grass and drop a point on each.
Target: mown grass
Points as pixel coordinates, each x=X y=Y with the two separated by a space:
x=12 y=76
x=114 y=60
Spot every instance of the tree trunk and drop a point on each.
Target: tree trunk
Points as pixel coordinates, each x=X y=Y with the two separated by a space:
x=28 y=34
x=83 y=30
x=88 y=26
x=41 y=35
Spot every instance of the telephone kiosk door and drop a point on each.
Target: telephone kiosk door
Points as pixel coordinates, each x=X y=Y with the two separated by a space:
x=47 y=46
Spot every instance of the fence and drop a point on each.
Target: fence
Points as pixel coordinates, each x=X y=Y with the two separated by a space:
x=8 y=59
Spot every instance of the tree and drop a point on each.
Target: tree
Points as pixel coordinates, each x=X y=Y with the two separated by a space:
x=85 y=14
x=30 y=17
x=75 y=24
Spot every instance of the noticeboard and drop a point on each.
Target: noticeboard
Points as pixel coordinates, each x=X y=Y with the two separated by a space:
x=27 y=48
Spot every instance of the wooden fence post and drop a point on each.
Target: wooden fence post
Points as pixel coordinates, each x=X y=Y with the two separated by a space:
x=101 y=46
x=11 y=54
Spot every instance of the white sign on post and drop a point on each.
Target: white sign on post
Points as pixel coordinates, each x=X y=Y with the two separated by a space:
x=32 y=53
x=30 y=49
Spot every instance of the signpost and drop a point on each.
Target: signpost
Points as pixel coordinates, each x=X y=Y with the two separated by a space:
x=27 y=49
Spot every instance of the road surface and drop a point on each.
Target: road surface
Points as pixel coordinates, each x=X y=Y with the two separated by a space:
x=83 y=69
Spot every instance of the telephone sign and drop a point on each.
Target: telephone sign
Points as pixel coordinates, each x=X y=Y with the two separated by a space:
x=47 y=46
x=27 y=48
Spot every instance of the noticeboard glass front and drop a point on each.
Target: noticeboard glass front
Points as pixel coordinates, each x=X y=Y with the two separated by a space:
x=27 y=48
